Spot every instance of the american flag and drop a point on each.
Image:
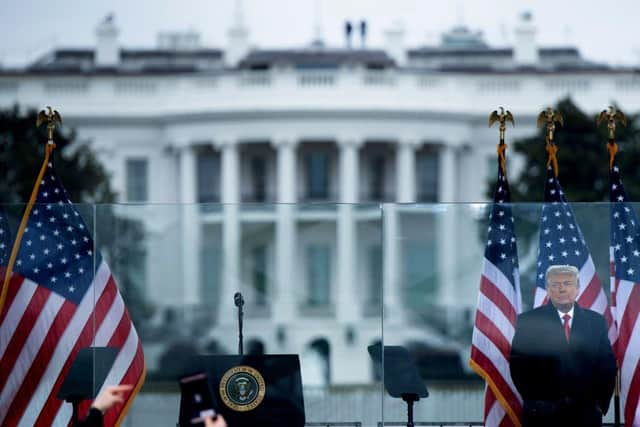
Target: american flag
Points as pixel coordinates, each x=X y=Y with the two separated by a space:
x=562 y=242
x=624 y=256
x=499 y=303
x=61 y=297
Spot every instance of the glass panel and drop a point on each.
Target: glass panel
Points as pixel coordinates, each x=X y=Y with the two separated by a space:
x=433 y=261
x=301 y=271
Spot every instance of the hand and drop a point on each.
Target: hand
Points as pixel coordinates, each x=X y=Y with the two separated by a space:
x=219 y=421
x=111 y=395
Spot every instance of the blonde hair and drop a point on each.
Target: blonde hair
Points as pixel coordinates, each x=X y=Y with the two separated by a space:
x=561 y=269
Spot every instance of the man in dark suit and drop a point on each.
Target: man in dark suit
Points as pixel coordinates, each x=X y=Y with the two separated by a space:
x=561 y=359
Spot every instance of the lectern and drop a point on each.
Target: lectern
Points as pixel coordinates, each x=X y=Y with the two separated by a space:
x=254 y=390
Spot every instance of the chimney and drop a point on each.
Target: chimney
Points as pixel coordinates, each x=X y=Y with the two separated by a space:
x=107 y=52
x=363 y=33
x=525 y=49
x=348 y=30
x=394 y=41
x=238 y=39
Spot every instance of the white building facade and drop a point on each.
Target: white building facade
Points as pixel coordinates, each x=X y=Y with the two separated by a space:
x=239 y=154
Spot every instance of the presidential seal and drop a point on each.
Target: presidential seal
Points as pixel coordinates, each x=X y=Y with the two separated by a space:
x=242 y=388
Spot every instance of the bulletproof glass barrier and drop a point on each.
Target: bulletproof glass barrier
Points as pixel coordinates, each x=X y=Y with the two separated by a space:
x=321 y=282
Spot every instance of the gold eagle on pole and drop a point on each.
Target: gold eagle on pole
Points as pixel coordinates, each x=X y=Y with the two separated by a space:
x=50 y=117
x=550 y=117
x=611 y=117
x=502 y=117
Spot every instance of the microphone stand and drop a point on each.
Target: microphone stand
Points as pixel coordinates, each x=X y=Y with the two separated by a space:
x=239 y=301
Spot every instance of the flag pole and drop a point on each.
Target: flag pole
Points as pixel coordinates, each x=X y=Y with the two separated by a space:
x=611 y=116
x=502 y=117
x=550 y=117
x=50 y=117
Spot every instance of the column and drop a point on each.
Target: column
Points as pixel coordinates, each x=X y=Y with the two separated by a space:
x=447 y=224
x=348 y=302
x=230 y=196
x=391 y=273
x=406 y=170
x=284 y=290
x=348 y=307
x=190 y=224
x=447 y=174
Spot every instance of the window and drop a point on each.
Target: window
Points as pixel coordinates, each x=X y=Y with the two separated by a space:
x=317 y=175
x=420 y=275
x=259 y=178
x=137 y=180
x=210 y=272
x=374 y=296
x=318 y=273
x=259 y=274
x=211 y=261
x=427 y=176
x=377 y=178
x=208 y=177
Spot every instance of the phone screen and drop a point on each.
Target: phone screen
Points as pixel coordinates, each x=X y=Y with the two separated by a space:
x=197 y=397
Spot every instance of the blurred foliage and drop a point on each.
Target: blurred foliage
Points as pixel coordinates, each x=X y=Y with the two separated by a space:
x=22 y=148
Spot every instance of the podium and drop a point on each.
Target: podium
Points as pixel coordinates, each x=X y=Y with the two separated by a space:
x=254 y=390
x=401 y=378
x=86 y=376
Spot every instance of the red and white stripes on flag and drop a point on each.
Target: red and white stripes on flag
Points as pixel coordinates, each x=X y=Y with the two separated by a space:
x=499 y=302
x=624 y=256
x=40 y=337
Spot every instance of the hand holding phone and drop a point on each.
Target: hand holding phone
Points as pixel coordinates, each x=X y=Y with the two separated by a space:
x=197 y=400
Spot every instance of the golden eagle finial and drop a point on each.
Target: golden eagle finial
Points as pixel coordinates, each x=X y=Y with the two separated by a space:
x=50 y=117
x=502 y=117
x=550 y=117
x=611 y=117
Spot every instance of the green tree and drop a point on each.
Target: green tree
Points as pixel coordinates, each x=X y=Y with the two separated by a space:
x=22 y=148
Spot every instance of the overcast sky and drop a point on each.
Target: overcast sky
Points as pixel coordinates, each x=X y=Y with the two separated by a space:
x=604 y=31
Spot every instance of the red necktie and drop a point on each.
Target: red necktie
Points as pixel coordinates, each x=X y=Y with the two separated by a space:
x=567 y=329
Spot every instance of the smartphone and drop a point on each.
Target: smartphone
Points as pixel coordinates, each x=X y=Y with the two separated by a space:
x=197 y=399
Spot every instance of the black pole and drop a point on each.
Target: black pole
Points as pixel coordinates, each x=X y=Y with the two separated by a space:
x=410 y=398
x=239 y=302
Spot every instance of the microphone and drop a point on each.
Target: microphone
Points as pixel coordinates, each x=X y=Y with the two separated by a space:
x=238 y=300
